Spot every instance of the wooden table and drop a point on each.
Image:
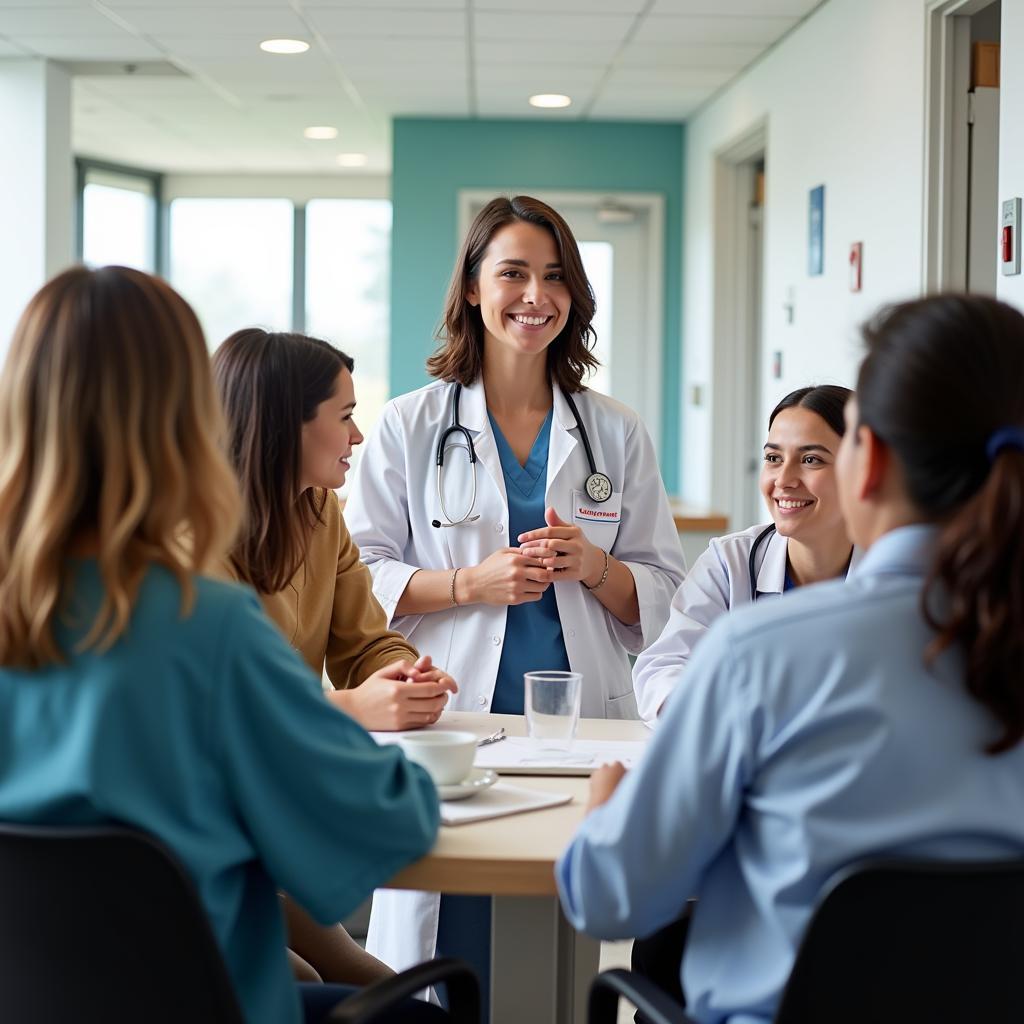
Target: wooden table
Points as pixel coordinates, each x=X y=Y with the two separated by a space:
x=540 y=967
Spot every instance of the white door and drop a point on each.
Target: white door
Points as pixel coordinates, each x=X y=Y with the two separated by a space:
x=621 y=243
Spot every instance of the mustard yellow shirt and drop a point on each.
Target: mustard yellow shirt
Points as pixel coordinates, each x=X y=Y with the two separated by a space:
x=328 y=612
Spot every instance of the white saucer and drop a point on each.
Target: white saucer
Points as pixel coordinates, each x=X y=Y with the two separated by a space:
x=476 y=781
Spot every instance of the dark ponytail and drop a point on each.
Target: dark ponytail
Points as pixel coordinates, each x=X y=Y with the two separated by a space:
x=943 y=379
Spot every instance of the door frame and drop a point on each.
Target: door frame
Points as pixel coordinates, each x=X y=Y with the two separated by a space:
x=735 y=398
x=654 y=336
x=946 y=152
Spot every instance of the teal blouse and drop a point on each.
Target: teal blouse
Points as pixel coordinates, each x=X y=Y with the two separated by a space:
x=210 y=733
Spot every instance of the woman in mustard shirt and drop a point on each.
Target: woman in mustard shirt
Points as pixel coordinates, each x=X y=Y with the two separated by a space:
x=289 y=401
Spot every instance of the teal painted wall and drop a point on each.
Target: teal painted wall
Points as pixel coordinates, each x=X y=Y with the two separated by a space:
x=433 y=159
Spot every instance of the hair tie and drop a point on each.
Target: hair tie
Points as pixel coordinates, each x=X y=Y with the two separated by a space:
x=1006 y=437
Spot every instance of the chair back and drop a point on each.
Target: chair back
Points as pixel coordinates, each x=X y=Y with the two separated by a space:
x=898 y=941
x=101 y=925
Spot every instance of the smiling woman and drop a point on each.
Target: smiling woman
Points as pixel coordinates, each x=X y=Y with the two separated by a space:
x=806 y=541
x=560 y=553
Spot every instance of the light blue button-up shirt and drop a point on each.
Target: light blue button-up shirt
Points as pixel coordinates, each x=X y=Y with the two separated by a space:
x=809 y=733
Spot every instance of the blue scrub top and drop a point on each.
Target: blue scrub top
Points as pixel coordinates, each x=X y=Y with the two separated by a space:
x=533 y=631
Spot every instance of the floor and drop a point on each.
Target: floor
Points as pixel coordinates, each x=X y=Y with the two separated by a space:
x=616 y=954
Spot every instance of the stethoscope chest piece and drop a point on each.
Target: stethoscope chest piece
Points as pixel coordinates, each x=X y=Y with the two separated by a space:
x=598 y=487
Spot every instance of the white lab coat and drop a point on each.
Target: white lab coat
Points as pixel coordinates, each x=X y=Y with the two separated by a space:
x=718 y=582
x=389 y=514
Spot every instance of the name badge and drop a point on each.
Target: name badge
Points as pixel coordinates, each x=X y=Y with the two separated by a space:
x=584 y=510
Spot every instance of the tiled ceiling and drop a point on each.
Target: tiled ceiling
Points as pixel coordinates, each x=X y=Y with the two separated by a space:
x=204 y=97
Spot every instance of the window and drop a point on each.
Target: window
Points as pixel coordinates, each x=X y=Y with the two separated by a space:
x=232 y=260
x=118 y=218
x=348 y=249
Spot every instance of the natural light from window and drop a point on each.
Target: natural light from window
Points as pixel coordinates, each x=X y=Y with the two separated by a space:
x=232 y=260
x=348 y=251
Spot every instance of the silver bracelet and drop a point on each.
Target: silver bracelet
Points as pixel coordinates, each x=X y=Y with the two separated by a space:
x=604 y=576
x=455 y=603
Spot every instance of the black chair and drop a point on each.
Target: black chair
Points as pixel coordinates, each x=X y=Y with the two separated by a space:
x=890 y=942
x=102 y=926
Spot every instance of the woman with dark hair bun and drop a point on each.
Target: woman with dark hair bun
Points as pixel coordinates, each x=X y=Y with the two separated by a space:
x=806 y=541
x=880 y=717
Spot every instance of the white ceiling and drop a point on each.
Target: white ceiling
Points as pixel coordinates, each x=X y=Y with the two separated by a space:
x=221 y=104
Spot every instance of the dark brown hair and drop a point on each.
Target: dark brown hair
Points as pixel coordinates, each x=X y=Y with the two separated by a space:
x=460 y=357
x=942 y=376
x=826 y=400
x=270 y=384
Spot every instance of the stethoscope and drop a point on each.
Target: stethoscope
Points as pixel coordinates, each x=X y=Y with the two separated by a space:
x=598 y=486
x=762 y=538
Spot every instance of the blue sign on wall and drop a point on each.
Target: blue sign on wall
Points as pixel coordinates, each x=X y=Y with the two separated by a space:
x=816 y=232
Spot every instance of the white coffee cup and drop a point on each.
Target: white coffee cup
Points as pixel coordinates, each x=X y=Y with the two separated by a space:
x=446 y=755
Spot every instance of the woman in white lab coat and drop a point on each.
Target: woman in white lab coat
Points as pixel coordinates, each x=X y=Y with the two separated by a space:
x=806 y=541
x=545 y=540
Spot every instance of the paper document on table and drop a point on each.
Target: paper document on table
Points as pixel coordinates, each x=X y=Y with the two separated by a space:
x=521 y=756
x=496 y=802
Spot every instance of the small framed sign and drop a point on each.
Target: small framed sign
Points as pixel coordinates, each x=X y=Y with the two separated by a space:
x=816 y=232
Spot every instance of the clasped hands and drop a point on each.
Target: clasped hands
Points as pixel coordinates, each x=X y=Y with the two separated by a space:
x=510 y=576
x=403 y=695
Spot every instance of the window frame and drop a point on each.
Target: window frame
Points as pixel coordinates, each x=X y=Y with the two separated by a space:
x=83 y=165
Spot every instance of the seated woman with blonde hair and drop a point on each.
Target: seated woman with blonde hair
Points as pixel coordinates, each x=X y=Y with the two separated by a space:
x=134 y=688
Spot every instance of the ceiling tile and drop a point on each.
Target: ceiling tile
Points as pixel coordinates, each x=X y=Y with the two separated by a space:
x=364 y=22
x=121 y=47
x=490 y=25
x=726 y=31
x=737 y=8
x=386 y=52
x=245 y=21
x=630 y=7
x=652 y=81
x=504 y=51
x=67 y=20
x=687 y=55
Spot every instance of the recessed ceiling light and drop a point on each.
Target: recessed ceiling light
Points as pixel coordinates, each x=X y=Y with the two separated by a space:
x=284 y=45
x=321 y=131
x=549 y=99
x=352 y=159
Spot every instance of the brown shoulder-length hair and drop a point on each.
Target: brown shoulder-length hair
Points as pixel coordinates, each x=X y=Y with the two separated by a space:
x=111 y=432
x=943 y=377
x=270 y=384
x=460 y=356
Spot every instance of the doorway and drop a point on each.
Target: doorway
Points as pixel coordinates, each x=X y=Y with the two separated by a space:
x=738 y=355
x=962 y=146
x=621 y=240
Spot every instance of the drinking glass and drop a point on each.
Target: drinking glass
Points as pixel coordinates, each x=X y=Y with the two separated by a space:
x=553 y=707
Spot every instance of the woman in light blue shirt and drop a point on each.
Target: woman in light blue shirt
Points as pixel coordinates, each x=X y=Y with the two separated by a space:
x=846 y=721
x=135 y=689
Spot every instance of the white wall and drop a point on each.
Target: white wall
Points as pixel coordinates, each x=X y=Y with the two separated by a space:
x=36 y=182
x=1011 y=137
x=843 y=101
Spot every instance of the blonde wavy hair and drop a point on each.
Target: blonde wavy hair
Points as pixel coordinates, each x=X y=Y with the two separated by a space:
x=110 y=444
